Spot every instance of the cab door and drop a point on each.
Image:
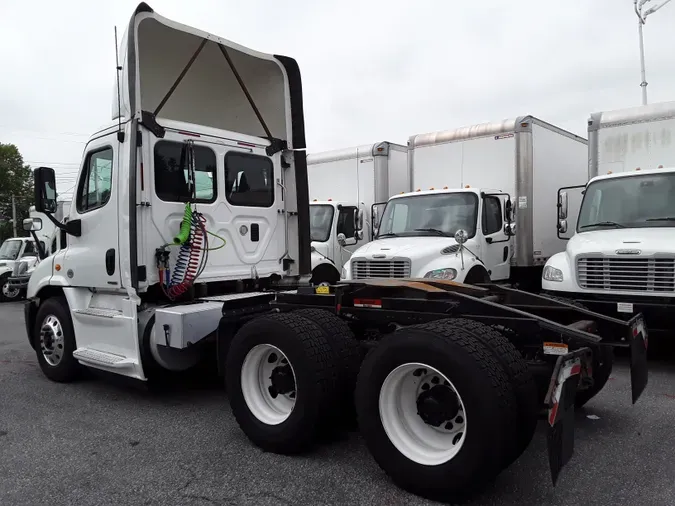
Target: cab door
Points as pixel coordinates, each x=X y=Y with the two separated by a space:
x=498 y=246
x=92 y=259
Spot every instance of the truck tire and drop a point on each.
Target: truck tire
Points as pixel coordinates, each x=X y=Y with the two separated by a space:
x=7 y=294
x=522 y=382
x=347 y=351
x=54 y=340
x=416 y=394
x=282 y=381
x=603 y=362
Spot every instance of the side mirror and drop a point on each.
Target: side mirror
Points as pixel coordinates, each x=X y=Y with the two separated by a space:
x=32 y=224
x=461 y=236
x=341 y=239
x=508 y=211
x=45 y=190
x=562 y=205
x=510 y=229
x=562 y=226
x=358 y=220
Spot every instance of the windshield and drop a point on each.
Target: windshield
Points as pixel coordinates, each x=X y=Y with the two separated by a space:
x=635 y=202
x=10 y=250
x=320 y=221
x=436 y=214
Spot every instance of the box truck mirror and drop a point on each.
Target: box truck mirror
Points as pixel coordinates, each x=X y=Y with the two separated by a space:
x=342 y=239
x=32 y=224
x=358 y=220
x=510 y=229
x=562 y=205
x=562 y=226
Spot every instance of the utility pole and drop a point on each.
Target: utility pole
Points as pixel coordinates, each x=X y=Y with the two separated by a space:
x=14 y=214
x=642 y=19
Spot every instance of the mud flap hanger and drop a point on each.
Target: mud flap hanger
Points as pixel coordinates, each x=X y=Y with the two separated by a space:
x=570 y=371
x=148 y=119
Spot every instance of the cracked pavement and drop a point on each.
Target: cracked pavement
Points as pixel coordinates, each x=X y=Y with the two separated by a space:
x=103 y=442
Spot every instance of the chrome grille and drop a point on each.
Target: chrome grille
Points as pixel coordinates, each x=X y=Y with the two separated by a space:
x=395 y=268
x=627 y=274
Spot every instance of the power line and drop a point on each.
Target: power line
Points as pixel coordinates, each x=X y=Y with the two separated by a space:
x=32 y=162
x=42 y=131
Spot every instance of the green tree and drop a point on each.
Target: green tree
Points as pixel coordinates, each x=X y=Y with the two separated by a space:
x=16 y=179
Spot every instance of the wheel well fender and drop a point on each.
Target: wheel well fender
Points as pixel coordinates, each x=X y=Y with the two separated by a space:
x=477 y=274
x=325 y=272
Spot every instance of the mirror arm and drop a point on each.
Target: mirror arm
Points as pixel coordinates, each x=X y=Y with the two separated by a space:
x=38 y=245
x=73 y=228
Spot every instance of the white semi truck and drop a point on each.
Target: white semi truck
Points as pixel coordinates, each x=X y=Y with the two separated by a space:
x=494 y=182
x=620 y=259
x=344 y=185
x=162 y=263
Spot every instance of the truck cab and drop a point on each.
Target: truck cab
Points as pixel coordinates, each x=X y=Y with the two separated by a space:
x=336 y=228
x=12 y=252
x=464 y=235
x=621 y=258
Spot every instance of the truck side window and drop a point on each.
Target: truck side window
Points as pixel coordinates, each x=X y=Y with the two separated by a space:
x=249 y=180
x=171 y=173
x=96 y=181
x=345 y=224
x=29 y=249
x=492 y=215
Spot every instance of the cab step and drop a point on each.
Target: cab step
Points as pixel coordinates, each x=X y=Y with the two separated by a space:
x=93 y=357
x=99 y=311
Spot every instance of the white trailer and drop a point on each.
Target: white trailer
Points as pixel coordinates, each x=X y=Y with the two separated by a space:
x=493 y=180
x=190 y=231
x=621 y=257
x=344 y=185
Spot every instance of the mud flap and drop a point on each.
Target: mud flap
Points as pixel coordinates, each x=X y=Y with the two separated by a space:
x=638 y=340
x=569 y=370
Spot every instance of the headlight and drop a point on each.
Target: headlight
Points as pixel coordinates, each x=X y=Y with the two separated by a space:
x=552 y=274
x=442 y=274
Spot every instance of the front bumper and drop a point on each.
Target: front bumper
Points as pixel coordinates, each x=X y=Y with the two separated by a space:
x=18 y=282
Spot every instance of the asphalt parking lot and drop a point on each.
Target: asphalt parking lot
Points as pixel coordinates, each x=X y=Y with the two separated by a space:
x=101 y=442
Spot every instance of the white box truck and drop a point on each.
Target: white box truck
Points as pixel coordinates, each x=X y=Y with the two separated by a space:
x=620 y=259
x=189 y=239
x=343 y=186
x=494 y=181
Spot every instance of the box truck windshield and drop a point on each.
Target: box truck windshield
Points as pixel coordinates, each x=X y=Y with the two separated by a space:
x=10 y=249
x=430 y=214
x=629 y=202
x=320 y=221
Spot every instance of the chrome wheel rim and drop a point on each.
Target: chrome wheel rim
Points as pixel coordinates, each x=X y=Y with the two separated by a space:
x=52 y=342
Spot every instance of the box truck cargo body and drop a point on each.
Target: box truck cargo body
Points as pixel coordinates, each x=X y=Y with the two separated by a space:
x=343 y=186
x=620 y=259
x=514 y=168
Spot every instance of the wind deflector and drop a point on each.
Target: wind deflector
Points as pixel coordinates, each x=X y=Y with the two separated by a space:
x=181 y=74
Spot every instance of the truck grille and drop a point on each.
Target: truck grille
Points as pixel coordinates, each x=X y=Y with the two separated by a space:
x=627 y=274
x=396 y=268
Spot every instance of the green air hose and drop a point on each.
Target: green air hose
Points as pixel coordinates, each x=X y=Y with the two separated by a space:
x=184 y=233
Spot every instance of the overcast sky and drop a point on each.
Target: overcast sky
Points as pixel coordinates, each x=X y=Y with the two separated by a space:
x=372 y=70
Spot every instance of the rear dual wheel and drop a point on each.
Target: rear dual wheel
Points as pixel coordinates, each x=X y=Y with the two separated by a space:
x=439 y=410
x=290 y=377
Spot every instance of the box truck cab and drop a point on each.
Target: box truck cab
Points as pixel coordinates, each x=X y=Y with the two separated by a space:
x=24 y=253
x=464 y=235
x=620 y=259
x=495 y=182
x=344 y=185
